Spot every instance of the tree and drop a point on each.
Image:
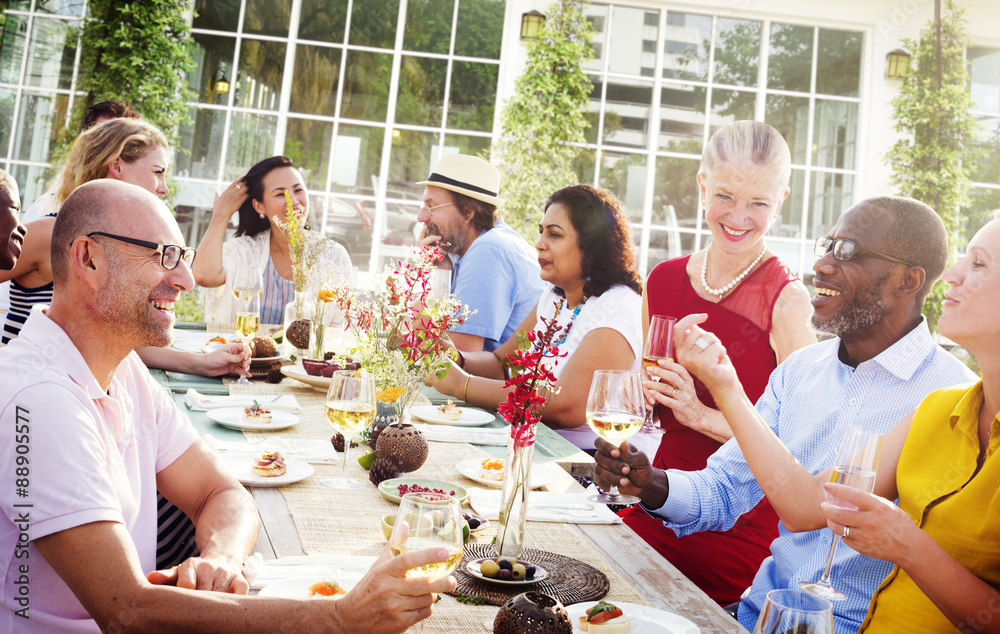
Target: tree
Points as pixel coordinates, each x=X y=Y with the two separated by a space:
x=931 y=111
x=546 y=115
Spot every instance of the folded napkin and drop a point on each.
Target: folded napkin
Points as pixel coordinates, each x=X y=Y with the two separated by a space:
x=546 y=506
x=472 y=435
x=200 y=402
x=344 y=569
x=312 y=451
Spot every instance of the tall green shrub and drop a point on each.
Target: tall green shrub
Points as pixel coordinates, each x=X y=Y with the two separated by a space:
x=544 y=117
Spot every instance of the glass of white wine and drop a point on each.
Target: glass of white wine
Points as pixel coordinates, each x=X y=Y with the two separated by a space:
x=659 y=345
x=615 y=411
x=428 y=521
x=857 y=461
x=247 y=289
x=350 y=407
x=792 y=612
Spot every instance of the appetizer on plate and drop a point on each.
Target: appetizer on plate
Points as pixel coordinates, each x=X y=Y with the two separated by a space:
x=492 y=469
x=450 y=411
x=221 y=340
x=605 y=618
x=326 y=589
x=256 y=414
x=270 y=464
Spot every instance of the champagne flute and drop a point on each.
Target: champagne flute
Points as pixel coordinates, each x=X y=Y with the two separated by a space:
x=247 y=289
x=350 y=407
x=615 y=411
x=794 y=612
x=857 y=461
x=659 y=345
x=428 y=521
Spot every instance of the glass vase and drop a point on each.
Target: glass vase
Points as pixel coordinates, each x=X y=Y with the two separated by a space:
x=514 y=495
x=299 y=319
x=317 y=332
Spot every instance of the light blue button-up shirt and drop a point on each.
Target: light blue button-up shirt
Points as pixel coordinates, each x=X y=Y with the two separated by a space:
x=809 y=400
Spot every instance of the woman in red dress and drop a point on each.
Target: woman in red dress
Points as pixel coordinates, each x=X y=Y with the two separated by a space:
x=761 y=313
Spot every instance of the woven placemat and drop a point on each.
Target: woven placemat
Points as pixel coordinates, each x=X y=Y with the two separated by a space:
x=569 y=580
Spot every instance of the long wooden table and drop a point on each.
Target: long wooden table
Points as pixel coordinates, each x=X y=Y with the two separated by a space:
x=649 y=575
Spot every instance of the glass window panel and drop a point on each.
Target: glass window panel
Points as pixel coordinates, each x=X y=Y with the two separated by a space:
x=473 y=96
x=685 y=55
x=984 y=77
x=213 y=57
x=38 y=124
x=366 y=89
x=267 y=17
x=342 y=220
x=421 y=90
x=307 y=142
x=789 y=223
x=193 y=208
x=58 y=7
x=357 y=158
x=835 y=134
x=627 y=112
x=789 y=64
x=624 y=175
x=428 y=25
x=19 y=5
x=790 y=116
x=251 y=138
x=597 y=15
x=7 y=97
x=463 y=144
x=982 y=202
x=323 y=20
x=51 y=54
x=628 y=31
x=584 y=164
x=262 y=66
x=832 y=195
x=217 y=15
x=984 y=152
x=413 y=154
x=730 y=105
x=737 y=51
x=838 y=62
x=664 y=244
x=202 y=138
x=594 y=108
x=675 y=194
x=30 y=181
x=682 y=118
x=480 y=28
x=314 y=84
x=373 y=23
x=12 y=48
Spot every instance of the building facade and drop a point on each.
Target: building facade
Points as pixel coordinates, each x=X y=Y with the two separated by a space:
x=366 y=95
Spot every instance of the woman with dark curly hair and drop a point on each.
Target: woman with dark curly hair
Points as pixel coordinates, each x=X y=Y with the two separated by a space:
x=586 y=256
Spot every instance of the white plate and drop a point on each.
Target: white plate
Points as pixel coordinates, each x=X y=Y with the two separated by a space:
x=471 y=417
x=541 y=474
x=642 y=618
x=239 y=465
x=299 y=588
x=260 y=360
x=299 y=374
x=230 y=417
x=201 y=343
x=473 y=569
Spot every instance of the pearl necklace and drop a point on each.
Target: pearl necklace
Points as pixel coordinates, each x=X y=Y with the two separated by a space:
x=739 y=278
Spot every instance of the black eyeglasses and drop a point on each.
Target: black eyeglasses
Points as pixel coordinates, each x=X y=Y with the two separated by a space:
x=844 y=250
x=170 y=254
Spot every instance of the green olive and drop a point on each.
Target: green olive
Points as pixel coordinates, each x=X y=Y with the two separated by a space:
x=489 y=568
x=517 y=572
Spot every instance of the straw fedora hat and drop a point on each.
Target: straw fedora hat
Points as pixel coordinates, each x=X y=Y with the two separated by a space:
x=467 y=175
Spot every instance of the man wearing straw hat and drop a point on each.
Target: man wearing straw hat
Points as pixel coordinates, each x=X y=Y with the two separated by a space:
x=495 y=272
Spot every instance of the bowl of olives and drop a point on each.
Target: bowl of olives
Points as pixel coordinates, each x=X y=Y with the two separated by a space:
x=506 y=570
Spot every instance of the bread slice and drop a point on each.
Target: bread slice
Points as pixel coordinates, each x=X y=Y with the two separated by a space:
x=269 y=465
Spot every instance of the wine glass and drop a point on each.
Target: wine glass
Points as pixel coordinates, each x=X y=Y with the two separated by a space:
x=350 y=407
x=615 y=411
x=247 y=289
x=659 y=345
x=428 y=521
x=794 y=612
x=857 y=460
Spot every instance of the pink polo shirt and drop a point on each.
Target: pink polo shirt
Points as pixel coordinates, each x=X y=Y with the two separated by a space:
x=70 y=454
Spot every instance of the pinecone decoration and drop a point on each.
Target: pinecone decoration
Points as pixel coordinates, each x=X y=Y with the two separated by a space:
x=274 y=375
x=298 y=333
x=338 y=441
x=328 y=355
x=383 y=469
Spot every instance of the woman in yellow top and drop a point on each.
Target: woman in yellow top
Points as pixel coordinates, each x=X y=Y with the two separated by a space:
x=944 y=536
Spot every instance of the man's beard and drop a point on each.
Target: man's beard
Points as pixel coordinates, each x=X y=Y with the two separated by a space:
x=855 y=317
x=449 y=244
x=123 y=307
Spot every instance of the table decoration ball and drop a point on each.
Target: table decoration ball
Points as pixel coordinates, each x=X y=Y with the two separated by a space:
x=532 y=613
x=384 y=469
x=373 y=435
x=298 y=333
x=403 y=443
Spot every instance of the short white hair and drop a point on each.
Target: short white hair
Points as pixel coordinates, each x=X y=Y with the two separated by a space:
x=748 y=142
